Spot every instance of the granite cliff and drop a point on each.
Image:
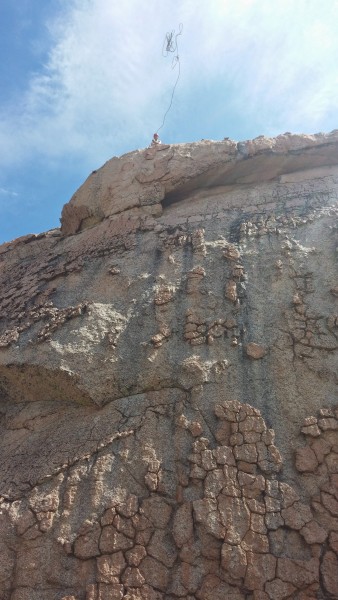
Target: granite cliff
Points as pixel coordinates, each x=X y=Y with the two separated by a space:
x=168 y=380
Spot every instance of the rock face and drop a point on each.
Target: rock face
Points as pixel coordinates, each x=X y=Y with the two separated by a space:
x=168 y=380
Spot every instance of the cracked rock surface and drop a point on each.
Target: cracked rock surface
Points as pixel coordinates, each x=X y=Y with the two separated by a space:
x=168 y=380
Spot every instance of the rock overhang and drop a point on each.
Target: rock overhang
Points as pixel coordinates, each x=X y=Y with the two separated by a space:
x=153 y=178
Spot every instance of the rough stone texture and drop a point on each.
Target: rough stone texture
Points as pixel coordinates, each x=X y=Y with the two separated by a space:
x=168 y=375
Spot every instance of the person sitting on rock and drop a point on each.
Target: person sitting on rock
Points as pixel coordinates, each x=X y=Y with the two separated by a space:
x=156 y=140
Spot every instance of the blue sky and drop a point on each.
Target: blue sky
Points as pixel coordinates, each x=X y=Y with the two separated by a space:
x=84 y=80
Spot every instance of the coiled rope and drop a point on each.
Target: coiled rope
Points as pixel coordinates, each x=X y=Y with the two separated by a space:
x=170 y=46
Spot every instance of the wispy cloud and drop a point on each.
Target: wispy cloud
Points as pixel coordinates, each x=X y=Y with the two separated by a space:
x=105 y=86
x=8 y=193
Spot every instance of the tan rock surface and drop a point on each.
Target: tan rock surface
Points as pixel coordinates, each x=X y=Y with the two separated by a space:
x=168 y=380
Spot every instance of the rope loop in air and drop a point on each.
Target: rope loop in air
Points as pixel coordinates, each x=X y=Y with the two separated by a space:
x=170 y=46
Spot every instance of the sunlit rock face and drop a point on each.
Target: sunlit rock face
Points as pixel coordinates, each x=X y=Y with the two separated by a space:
x=168 y=380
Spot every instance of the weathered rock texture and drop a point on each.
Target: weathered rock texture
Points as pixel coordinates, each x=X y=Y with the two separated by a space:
x=168 y=376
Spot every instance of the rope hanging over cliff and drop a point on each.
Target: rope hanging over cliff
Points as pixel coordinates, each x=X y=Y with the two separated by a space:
x=170 y=46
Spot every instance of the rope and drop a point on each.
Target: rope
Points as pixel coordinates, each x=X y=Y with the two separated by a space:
x=170 y=46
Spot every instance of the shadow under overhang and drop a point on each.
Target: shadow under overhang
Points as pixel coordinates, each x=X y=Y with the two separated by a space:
x=249 y=170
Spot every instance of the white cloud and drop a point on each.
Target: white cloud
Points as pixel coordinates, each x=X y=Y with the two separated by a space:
x=106 y=85
x=8 y=193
